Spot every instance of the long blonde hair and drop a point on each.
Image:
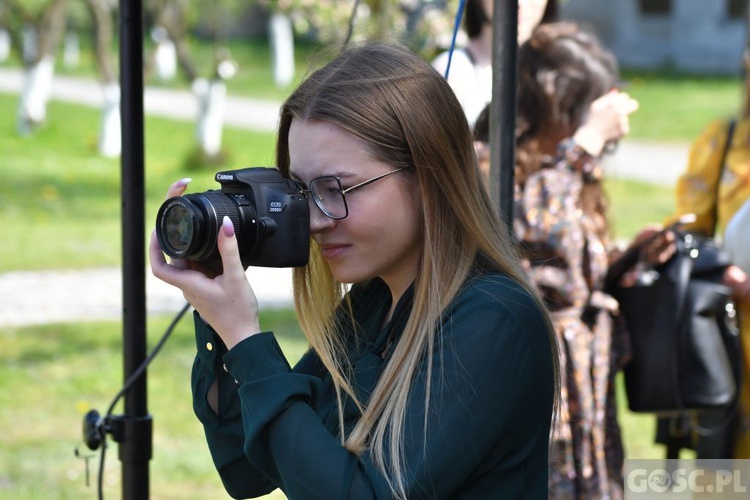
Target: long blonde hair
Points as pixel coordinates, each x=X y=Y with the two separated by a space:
x=409 y=116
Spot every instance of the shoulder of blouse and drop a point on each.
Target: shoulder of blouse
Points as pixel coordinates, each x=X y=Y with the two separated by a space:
x=495 y=289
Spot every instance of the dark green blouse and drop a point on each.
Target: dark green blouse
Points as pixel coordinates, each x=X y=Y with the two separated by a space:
x=487 y=427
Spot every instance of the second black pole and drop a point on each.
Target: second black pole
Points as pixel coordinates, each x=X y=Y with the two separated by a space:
x=503 y=106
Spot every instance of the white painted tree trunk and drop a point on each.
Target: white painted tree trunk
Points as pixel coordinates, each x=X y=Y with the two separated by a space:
x=165 y=54
x=211 y=97
x=166 y=60
x=282 y=45
x=4 y=45
x=29 y=42
x=71 y=51
x=37 y=86
x=110 y=140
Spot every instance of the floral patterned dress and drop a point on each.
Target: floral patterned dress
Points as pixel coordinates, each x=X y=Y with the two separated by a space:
x=568 y=254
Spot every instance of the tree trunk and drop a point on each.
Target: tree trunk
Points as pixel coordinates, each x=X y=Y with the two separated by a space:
x=4 y=45
x=40 y=40
x=71 y=51
x=282 y=45
x=37 y=86
x=110 y=142
x=110 y=139
x=165 y=54
x=211 y=95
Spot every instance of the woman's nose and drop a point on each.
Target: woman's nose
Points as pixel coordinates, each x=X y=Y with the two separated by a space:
x=318 y=220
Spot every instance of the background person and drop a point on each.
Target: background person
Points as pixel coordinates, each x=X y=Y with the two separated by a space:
x=470 y=73
x=567 y=113
x=714 y=186
x=435 y=375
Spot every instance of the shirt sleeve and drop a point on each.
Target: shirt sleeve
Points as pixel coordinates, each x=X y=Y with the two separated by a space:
x=224 y=431
x=549 y=224
x=490 y=403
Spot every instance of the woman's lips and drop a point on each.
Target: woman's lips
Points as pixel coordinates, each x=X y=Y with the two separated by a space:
x=333 y=251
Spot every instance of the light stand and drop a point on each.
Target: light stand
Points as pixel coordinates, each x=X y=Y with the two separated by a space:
x=133 y=429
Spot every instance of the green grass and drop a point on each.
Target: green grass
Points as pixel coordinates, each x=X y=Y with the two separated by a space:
x=634 y=204
x=71 y=368
x=678 y=107
x=51 y=375
x=60 y=201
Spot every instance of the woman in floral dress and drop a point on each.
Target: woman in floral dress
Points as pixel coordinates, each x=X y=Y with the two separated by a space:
x=568 y=115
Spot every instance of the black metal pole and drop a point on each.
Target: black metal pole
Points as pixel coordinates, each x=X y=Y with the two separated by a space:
x=135 y=436
x=503 y=107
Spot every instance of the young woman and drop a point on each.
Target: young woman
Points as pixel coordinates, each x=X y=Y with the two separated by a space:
x=470 y=74
x=714 y=186
x=567 y=113
x=434 y=375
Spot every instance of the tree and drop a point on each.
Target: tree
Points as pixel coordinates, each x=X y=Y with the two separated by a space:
x=36 y=28
x=425 y=25
x=101 y=13
x=176 y=18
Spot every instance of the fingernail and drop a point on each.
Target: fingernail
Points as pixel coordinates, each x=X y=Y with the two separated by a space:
x=227 y=227
x=184 y=182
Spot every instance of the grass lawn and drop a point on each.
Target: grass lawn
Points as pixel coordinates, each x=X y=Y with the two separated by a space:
x=71 y=368
x=60 y=208
x=51 y=375
x=678 y=107
x=60 y=201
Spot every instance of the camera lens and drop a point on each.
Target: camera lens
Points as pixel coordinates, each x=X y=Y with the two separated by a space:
x=186 y=226
x=179 y=226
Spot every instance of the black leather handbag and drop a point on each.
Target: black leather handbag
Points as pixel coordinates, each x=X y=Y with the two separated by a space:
x=685 y=343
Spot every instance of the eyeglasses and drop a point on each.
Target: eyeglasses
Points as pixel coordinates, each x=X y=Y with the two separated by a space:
x=330 y=197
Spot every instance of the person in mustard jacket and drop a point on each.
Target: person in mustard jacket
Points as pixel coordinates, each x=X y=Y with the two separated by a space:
x=714 y=194
x=435 y=374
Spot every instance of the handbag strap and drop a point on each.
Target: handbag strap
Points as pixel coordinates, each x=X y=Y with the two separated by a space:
x=722 y=167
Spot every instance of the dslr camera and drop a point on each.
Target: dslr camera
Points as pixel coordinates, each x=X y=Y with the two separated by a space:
x=271 y=220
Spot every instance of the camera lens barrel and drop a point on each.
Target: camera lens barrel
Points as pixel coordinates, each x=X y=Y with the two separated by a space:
x=187 y=225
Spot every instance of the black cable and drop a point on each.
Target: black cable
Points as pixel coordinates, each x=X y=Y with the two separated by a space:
x=104 y=423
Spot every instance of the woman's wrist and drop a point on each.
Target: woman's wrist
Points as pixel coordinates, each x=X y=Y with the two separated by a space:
x=588 y=139
x=233 y=338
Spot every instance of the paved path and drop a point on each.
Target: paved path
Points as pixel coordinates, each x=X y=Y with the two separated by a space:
x=32 y=298
x=251 y=114
x=57 y=296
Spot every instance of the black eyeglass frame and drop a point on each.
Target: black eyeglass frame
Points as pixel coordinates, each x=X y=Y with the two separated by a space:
x=307 y=193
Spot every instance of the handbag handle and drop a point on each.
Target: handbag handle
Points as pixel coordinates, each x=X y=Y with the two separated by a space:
x=630 y=257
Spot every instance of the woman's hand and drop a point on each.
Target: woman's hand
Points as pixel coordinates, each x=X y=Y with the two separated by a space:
x=657 y=245
x=654 y=246
x=736 y=279
x=608 y=120
x=223 y=297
